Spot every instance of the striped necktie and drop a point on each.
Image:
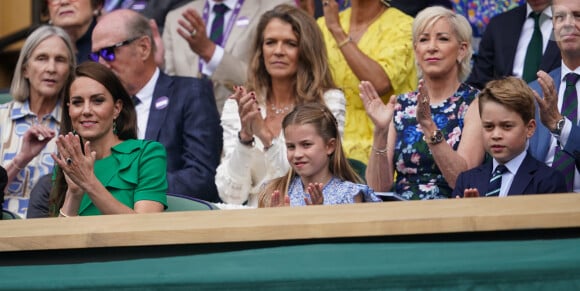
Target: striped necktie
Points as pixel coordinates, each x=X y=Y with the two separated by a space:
x=563 y=161
x=217 y=26
x=495 y=181
x=534 y=52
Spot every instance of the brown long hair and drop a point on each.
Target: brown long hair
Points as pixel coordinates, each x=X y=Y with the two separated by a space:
x=313 y=76
x=126 y=122
x=320 y=117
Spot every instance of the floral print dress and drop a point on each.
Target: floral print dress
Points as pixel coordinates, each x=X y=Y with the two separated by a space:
x=336 y=191
x=417 y=175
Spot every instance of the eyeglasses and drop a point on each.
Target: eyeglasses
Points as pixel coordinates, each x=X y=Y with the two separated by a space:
x=108 y=53
x=56 y=2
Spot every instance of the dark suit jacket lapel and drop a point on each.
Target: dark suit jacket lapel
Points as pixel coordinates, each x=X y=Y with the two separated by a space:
x=486 y=170
x=514 y=30
x=523 y=176
x=159 y=106
x=551 y=57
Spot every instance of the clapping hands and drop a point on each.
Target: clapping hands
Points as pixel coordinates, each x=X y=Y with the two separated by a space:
x=76 y=165
x=381 y=114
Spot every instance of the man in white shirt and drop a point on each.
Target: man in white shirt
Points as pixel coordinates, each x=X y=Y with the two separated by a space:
x=558 y=133
x=504 y=45
x=178 y=112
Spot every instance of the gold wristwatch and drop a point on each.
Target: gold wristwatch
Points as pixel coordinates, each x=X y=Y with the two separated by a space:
x=436 y=138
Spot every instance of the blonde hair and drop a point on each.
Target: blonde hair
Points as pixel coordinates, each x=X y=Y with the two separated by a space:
x=460 y=26
x=20 y=88
x=325 y=124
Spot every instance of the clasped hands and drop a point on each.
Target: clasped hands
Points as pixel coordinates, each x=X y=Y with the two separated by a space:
x=381 y=114
x=314 y=191
x=76 y=165
x=251 y=119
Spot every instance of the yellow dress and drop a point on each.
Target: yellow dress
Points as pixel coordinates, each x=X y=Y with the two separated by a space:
x=388 y=41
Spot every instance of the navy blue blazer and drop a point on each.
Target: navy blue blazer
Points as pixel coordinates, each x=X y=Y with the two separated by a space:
x=533 y=177
x=540 y=141
x=498 y=47
x=184 y=118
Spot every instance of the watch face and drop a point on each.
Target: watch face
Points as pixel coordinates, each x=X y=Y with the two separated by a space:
x=560 y=124
x=437 y=136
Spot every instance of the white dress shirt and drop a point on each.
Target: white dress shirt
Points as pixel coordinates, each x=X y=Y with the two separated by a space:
x=210 y=67
x=565 y=134
x=526 y=35
x=145 y=96
x=508 y=177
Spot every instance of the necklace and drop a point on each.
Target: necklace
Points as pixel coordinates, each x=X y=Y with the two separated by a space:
x=284 y=109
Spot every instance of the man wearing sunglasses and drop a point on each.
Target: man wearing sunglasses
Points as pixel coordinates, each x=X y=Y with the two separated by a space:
x=179 y=112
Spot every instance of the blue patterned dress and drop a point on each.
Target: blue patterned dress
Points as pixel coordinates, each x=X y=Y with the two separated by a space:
x=335 y=191
x=418 y=177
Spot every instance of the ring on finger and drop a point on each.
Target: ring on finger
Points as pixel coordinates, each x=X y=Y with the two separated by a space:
x=193 y=32
x=68 y=161
x=425 y=100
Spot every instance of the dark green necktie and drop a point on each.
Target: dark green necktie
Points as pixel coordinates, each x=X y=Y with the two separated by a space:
x=534 y=52
x=217 y=26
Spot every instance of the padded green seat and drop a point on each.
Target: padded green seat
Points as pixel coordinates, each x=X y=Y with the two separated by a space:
x=5 y=98
x=359 y=167
x=177 y=202
x=7 y=215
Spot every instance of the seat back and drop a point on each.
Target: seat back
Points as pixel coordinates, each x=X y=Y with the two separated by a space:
x=359 y=167
x=7 y=215
x=5 y=97
x=178 y=202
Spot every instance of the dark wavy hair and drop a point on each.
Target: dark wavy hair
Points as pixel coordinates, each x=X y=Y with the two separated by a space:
x=126 y=122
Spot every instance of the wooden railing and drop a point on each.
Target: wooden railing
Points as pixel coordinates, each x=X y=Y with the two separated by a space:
x=316 y=222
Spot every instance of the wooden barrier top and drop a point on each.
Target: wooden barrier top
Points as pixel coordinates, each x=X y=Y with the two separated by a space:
x=314 y=222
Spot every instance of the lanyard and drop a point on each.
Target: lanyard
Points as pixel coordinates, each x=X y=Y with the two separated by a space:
x=228 y=27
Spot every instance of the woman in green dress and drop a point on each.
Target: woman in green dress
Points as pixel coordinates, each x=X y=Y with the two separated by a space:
x=102 y=167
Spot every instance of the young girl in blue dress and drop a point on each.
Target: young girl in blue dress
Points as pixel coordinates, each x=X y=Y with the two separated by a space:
x=320 y=172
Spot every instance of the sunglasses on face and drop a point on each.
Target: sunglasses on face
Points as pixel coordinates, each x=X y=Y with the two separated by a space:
x=108 y=53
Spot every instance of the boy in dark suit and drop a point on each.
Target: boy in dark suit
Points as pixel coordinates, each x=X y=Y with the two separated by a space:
x=507 y=109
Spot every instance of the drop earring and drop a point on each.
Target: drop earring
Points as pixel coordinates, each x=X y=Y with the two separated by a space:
x=115 y=126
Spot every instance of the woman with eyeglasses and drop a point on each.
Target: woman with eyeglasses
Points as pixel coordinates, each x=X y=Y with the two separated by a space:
x=102 y=167
x=77 y=18
x=29 y=123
